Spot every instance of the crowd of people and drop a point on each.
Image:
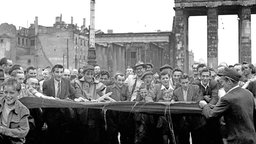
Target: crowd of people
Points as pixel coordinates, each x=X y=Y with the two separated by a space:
x=225 y=94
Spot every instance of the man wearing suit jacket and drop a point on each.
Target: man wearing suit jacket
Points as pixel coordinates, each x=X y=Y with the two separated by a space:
x=58 y=120
x=186 y=124
x=237 y=107
x=209 y=89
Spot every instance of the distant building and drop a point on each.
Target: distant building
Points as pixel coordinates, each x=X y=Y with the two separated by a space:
x=67 y=44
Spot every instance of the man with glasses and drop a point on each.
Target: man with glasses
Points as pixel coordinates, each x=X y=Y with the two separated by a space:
x=237 y=107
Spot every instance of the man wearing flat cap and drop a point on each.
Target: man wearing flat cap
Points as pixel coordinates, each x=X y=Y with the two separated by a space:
x=149 y=67
x=135 y=81
x=237 y=107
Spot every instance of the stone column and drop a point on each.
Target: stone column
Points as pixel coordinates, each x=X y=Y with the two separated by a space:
x=212 y=37
x=181 y=39
x=245 y=34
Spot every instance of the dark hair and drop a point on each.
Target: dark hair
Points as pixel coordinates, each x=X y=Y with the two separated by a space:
x=104 y=72
x=119 y=74
x=245 y=62
x=184 y=76
x=178 y=70
x=30 y=68
x=164 y=72
x=13 y=82
x=205 y=70
x=57 y=66
x=200 y=66
x=3 y=61
x=237 y=64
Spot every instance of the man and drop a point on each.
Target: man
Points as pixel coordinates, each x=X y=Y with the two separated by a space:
x=176 y=74
x=46 y=75
x=31 y=72
x=6 y=64
x=59 y=121
x=134 y=81
x=91 y=122
x=105 y=78
x=97 y=72
x=13 y=115
x=66 y=74
x=238 y=68
x=186 y=124
x=209 y=89
x=163 y=91
x=129 y=71
x=149 y=67
x=117 y=121
x=237 y=107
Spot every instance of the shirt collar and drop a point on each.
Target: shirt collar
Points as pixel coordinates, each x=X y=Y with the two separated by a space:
x=233 y=88
x=56 y=82
x=15 y=108
x=207 y=85
x=163 y=87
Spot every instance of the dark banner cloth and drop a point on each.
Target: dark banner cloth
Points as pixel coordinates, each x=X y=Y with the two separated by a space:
x=151 y=107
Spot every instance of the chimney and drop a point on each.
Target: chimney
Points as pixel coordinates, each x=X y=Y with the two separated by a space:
x=57 y=20
x=84 y=22
x=71 y=20
x=36 y=25
x=60 y=17
x=110 y=31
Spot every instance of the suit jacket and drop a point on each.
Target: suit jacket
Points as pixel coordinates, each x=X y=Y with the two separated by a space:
x=193 y=95
x=158 y=93
x=211 y=90
x=237 y=107
x=67 y=90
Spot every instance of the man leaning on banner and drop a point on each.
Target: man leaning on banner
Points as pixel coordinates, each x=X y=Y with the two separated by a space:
x=237 y=107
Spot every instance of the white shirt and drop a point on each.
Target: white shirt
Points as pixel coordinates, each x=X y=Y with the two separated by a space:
x=185 y=94
x=56 y=87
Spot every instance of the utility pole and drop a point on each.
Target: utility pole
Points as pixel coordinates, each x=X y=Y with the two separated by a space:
x=92 y=50
x=67 y=55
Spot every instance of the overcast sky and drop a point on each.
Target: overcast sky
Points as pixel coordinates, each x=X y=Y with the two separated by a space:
x=129 y=16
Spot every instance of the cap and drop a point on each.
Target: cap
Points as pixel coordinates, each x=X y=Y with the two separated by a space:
x=146 y=73
x=88 y=67
x=165 y=67
x=140 y=63
x=230 y=73
x=150 y=64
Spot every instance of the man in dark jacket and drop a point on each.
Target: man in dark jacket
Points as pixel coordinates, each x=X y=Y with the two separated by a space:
x=237 y=107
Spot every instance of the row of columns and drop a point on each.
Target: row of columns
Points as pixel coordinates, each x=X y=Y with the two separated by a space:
x=181 y=37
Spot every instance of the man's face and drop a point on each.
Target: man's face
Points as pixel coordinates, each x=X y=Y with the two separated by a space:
x=66 y=74
x=32 y=73
x=148 y=79
x=226 y=83
x=149 y=68
x=97 y=69
x=143 y=92
x=246 y=69
x=104 y=79
x=8 y=65
x=46 y=75
x=205 y=77
x=129 y=71
x=57 y=74
x=238 y=68
x=140 y=70
x=184 y=83
x=176 y=76
x=120 y=80
x=165 y=80
x=20 y=78
x=11 y=94
x=88 y=76
x=33 y=82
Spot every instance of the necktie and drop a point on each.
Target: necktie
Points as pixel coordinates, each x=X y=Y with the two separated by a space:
x=58 y=93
